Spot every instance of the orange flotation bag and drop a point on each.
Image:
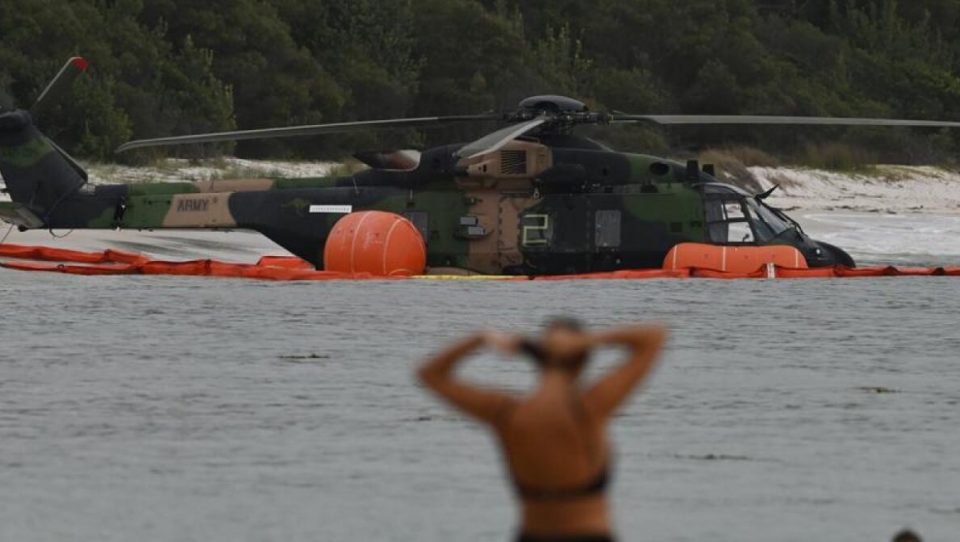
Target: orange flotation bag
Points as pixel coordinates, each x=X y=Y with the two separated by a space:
x=732 y=259
x=375 y=242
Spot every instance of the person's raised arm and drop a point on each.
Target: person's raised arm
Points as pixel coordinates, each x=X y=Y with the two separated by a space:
x=437 y=373
x=643 y=344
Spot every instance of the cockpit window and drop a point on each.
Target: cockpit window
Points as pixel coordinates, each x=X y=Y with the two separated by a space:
x=767 y=219
x=734 y=217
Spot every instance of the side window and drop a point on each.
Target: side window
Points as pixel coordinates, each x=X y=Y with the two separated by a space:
x=728 y=222
x=739 y=232
x=607 y=229
x=536 y=230
x=733 y=210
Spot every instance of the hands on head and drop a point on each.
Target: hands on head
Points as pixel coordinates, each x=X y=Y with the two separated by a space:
x=557 y=344
x=563 y=345
x=507 y=344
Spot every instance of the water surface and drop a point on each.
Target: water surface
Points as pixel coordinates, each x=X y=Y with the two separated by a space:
x=166 y=408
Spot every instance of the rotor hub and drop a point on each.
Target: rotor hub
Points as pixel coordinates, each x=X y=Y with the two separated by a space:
x=562 y=113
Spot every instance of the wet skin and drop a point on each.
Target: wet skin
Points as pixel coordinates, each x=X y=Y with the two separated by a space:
x=554 y=438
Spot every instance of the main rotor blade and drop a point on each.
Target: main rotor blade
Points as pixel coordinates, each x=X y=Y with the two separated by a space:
x=307 y=130
x=777 y=120
x=495 y=140
x=59 y=84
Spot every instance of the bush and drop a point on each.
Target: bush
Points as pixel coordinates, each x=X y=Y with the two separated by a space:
x=732 y=169
x=837 y=157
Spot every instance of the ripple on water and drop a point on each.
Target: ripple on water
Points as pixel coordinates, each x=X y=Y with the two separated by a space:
x=178 y=408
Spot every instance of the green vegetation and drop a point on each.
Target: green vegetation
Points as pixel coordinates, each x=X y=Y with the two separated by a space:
x=163 y=67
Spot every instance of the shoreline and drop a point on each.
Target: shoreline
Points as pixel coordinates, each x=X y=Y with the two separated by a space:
x=889 y=189
x=896 y=214
x=886 y=190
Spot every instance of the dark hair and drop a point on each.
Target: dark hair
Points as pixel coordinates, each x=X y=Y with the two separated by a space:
x=564 y=322
x=534 y=350
x=906 y=535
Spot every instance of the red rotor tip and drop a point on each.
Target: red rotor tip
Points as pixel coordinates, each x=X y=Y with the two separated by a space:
x=80 y=63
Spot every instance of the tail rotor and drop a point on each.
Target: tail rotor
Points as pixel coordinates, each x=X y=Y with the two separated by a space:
x=59 y=85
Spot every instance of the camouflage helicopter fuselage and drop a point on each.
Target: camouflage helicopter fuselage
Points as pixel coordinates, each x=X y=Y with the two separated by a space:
x=557 y=204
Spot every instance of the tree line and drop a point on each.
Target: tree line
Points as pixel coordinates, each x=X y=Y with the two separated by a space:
x=167 y=67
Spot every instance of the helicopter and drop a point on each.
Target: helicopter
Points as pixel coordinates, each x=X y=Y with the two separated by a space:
x=531 y=198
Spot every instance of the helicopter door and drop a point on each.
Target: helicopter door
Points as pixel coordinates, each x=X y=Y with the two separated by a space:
x=728 y=222
x=607 y=230
x=521 y=229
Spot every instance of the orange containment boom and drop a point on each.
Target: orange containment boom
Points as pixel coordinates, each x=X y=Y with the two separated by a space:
x=112 y=262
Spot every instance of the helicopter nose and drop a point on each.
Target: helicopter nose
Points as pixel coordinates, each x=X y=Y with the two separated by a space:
x=822 y=254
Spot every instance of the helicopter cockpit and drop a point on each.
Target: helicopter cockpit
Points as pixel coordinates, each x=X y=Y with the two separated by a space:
x=736 y=217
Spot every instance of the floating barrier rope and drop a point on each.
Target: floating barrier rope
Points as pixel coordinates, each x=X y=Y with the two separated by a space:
x=113 y=262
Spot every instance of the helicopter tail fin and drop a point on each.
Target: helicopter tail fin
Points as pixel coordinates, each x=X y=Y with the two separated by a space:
x=38 y=175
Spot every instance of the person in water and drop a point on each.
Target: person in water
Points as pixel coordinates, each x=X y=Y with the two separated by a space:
x=907 y=535
x=554 y=439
